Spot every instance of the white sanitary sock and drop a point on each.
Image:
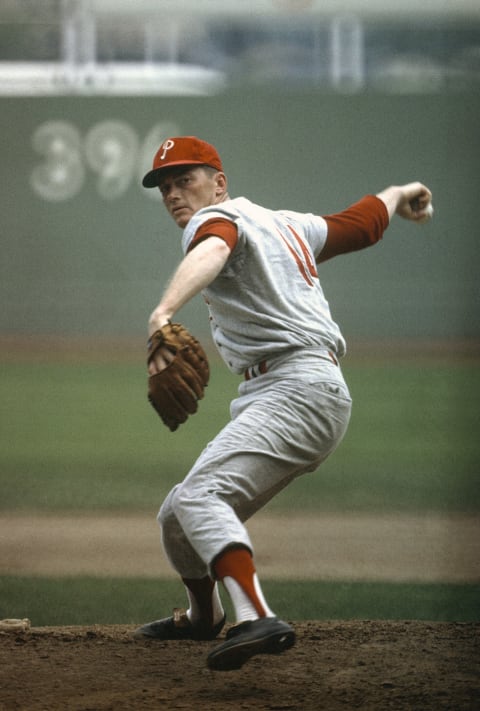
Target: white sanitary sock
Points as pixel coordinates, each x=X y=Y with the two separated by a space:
x=243 y=606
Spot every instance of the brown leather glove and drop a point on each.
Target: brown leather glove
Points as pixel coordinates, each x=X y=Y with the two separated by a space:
x=174 y=391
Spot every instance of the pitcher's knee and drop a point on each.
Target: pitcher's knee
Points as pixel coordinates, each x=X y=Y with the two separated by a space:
x=167 y=511
x=183 y=500
x=177 y=506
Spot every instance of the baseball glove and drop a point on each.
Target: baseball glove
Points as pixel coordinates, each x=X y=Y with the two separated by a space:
x=175 y=391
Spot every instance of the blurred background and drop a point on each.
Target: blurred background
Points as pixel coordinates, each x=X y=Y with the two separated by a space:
x=310 y=106
x=184 y=46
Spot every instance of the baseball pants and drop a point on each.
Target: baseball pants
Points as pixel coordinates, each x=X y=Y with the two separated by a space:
x=284 y=423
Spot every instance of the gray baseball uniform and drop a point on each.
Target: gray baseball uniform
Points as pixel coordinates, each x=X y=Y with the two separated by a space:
x=270 y=321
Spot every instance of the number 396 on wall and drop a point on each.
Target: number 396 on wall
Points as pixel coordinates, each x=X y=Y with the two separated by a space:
x=110 y=149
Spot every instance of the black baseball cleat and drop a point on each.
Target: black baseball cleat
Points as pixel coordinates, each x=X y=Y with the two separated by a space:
x=178 y=627
x=267 y=635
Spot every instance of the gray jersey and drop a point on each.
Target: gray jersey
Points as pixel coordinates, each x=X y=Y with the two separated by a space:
x=267 y=300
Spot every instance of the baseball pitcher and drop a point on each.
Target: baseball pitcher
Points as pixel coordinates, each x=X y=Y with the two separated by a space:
x=271 y=323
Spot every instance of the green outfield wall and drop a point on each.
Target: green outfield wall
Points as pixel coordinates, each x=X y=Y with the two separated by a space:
x=86 y=251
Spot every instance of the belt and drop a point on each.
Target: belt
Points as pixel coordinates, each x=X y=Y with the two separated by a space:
x=261 y=368
x=255 y=370
x=332 y=357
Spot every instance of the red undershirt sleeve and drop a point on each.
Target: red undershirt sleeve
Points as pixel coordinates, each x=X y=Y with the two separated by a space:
x=359 y=226
x=216 y=227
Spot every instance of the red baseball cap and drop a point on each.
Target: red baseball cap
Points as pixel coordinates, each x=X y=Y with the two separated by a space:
x=181 y=150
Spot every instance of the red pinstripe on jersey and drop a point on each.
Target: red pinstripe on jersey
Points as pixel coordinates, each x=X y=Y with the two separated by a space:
x=306 y=254
x=306 y=268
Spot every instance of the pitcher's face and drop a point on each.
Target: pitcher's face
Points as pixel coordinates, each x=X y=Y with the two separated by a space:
x=185 y=190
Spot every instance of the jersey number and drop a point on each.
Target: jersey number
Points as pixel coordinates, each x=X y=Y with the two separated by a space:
x=304 y=262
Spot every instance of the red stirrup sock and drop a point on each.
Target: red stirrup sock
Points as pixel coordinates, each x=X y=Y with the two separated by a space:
x=236 y=570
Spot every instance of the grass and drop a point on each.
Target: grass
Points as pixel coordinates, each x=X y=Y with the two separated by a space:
x=88 y=601
x=83 y=437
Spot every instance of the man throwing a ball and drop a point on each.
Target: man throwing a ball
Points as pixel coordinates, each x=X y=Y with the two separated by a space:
x=258 y=271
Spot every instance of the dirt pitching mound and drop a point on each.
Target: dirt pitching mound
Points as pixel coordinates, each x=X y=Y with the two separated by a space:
x=334 y=665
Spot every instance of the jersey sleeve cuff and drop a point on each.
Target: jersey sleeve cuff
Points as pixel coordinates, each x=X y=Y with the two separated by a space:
x=216 y=227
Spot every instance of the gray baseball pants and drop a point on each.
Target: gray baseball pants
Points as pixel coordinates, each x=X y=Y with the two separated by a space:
x=284 y=423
